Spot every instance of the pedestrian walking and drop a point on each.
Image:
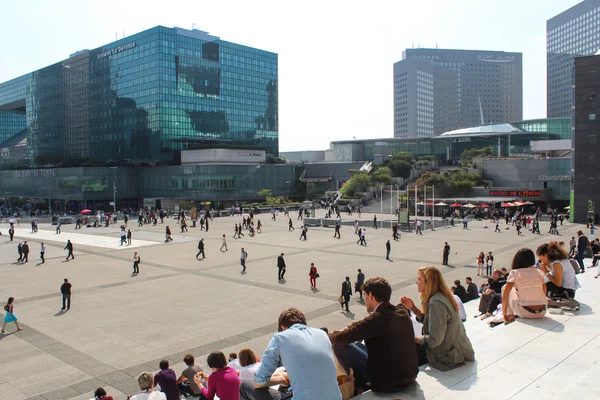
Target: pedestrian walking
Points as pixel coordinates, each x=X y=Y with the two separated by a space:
x=10 y=316
x=337 y=230
x=346 y=293
x=25 y=250
x=69 y=248
x=123 y=236
x=243 y=257
x=201 y=249
x=11 y=233
x=356 y=227
x=136 y=263
x=20 y=251
x=374 y=221
x=497 y=226
x=42 y=252
x=168 y=237
x=128 y=237
x=223 y=243
x=65 y=290
x=280 y=267
x=57 y=227
x=465 y=222
x=290 y=225
x=313 y=274
x=445 y=253
x=206 y=224
x=360 y=279
x=388 y=249
x=303 y=234
x=259 y=227
x=418 y=231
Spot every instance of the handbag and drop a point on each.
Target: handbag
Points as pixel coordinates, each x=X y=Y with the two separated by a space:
x=341 y=300
x=317 y=276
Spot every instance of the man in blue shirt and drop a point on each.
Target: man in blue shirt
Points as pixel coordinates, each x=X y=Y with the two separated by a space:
x=307 y=357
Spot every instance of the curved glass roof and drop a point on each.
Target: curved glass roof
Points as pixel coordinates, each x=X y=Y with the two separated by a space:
x=492 y=128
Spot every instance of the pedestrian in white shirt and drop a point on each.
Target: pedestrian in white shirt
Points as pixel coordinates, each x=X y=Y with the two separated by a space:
x=223 y=243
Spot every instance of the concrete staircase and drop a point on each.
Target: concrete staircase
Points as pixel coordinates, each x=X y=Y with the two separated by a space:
x=555 y=357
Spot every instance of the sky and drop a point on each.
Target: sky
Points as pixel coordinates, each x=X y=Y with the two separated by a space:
x=335 y=57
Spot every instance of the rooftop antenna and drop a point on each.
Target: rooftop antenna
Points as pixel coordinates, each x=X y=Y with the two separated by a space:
x=413 y=44
x=436 y=45
x=123 y=33
x=116 y=37
x=193 y=25
x=419 y=43
x=481 y=111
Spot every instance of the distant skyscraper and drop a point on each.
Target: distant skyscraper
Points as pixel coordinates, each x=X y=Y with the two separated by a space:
x=572 y=33
x=436 y=90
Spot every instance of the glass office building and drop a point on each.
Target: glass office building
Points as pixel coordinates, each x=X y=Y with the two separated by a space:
x=144 y=98
x=572 y=33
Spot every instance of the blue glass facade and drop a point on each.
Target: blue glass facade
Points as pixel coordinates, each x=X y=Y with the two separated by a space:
x=147 y=96
x=11 y=123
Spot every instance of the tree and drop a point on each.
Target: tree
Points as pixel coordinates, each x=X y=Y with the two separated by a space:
x=264 y=193
x=359 y=182
x=382 y=175
x=400 y=168
x=468 y=155
x=401 y=164
x=275 y=201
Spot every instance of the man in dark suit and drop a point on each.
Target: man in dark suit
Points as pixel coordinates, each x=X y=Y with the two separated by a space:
x=69 y=248
x=201 y=249
x=388 y=249
x=360 y=279
x=25 y=250
x=346 y=292
x=20 y=250
x=280 y=267
x=388 y=359
x=445 y=253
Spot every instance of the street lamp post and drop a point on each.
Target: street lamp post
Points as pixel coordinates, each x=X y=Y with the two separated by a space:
x=287 y=189
x=114 y=189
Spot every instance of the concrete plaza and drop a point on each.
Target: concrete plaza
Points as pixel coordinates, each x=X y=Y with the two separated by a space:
x=120 y=325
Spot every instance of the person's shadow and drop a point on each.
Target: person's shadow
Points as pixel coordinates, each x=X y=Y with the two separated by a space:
x=349 y=314
x=60 y=313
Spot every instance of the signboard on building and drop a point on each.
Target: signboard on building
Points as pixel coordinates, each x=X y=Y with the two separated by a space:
x=223 y=156
x=515 y=193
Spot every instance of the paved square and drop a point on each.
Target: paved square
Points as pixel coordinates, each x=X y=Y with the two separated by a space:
x=120 y=325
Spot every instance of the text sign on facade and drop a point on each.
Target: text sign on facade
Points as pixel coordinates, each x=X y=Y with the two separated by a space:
x=116 y=50
x=515 y=193
x=35 y=173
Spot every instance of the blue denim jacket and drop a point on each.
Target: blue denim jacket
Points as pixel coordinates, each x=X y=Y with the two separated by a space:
x=307 y=356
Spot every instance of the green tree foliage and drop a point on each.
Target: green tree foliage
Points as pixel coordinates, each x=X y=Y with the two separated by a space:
x=401 y=164
x=187 y=205
x=468 y=155
x=274 y=201
x=449 y=182
x=264 y=193
x=381 y=176
x=359 y=182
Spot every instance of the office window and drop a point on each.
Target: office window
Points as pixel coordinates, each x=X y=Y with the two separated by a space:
x=591 y=159
x=592 y=95
x=592 y=74
x=592 y=117
x=592 y=180
x=592 y=138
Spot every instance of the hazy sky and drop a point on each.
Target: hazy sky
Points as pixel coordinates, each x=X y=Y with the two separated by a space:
x=335 y=57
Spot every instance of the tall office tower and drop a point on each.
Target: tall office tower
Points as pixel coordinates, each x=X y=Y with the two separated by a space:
x=144 y=98
x=476 y=86
x=586 y=139
x=424 y=98
x=572 y=33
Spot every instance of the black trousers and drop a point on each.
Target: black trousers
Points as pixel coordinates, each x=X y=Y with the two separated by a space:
x=136 y=267
x=445 y=258
x=281 y=272
x=201 y=252
x=70 y=254
x=42 y=257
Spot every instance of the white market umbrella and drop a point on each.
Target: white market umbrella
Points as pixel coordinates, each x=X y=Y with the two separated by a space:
x=470 y=205
x=441 y=203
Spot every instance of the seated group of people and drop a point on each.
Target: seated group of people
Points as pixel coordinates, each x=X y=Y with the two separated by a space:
x=382 y=350
x=526 y=290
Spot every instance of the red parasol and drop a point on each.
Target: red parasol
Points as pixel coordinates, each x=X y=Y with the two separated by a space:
x=86 y=211
x=430 y=203
x=507 y=205
x=456 y=205
x=484 y=205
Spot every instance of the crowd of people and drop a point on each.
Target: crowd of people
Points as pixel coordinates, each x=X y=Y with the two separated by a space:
x=382 y=351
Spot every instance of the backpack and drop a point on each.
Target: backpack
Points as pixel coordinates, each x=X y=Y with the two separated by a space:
x=6 y=308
